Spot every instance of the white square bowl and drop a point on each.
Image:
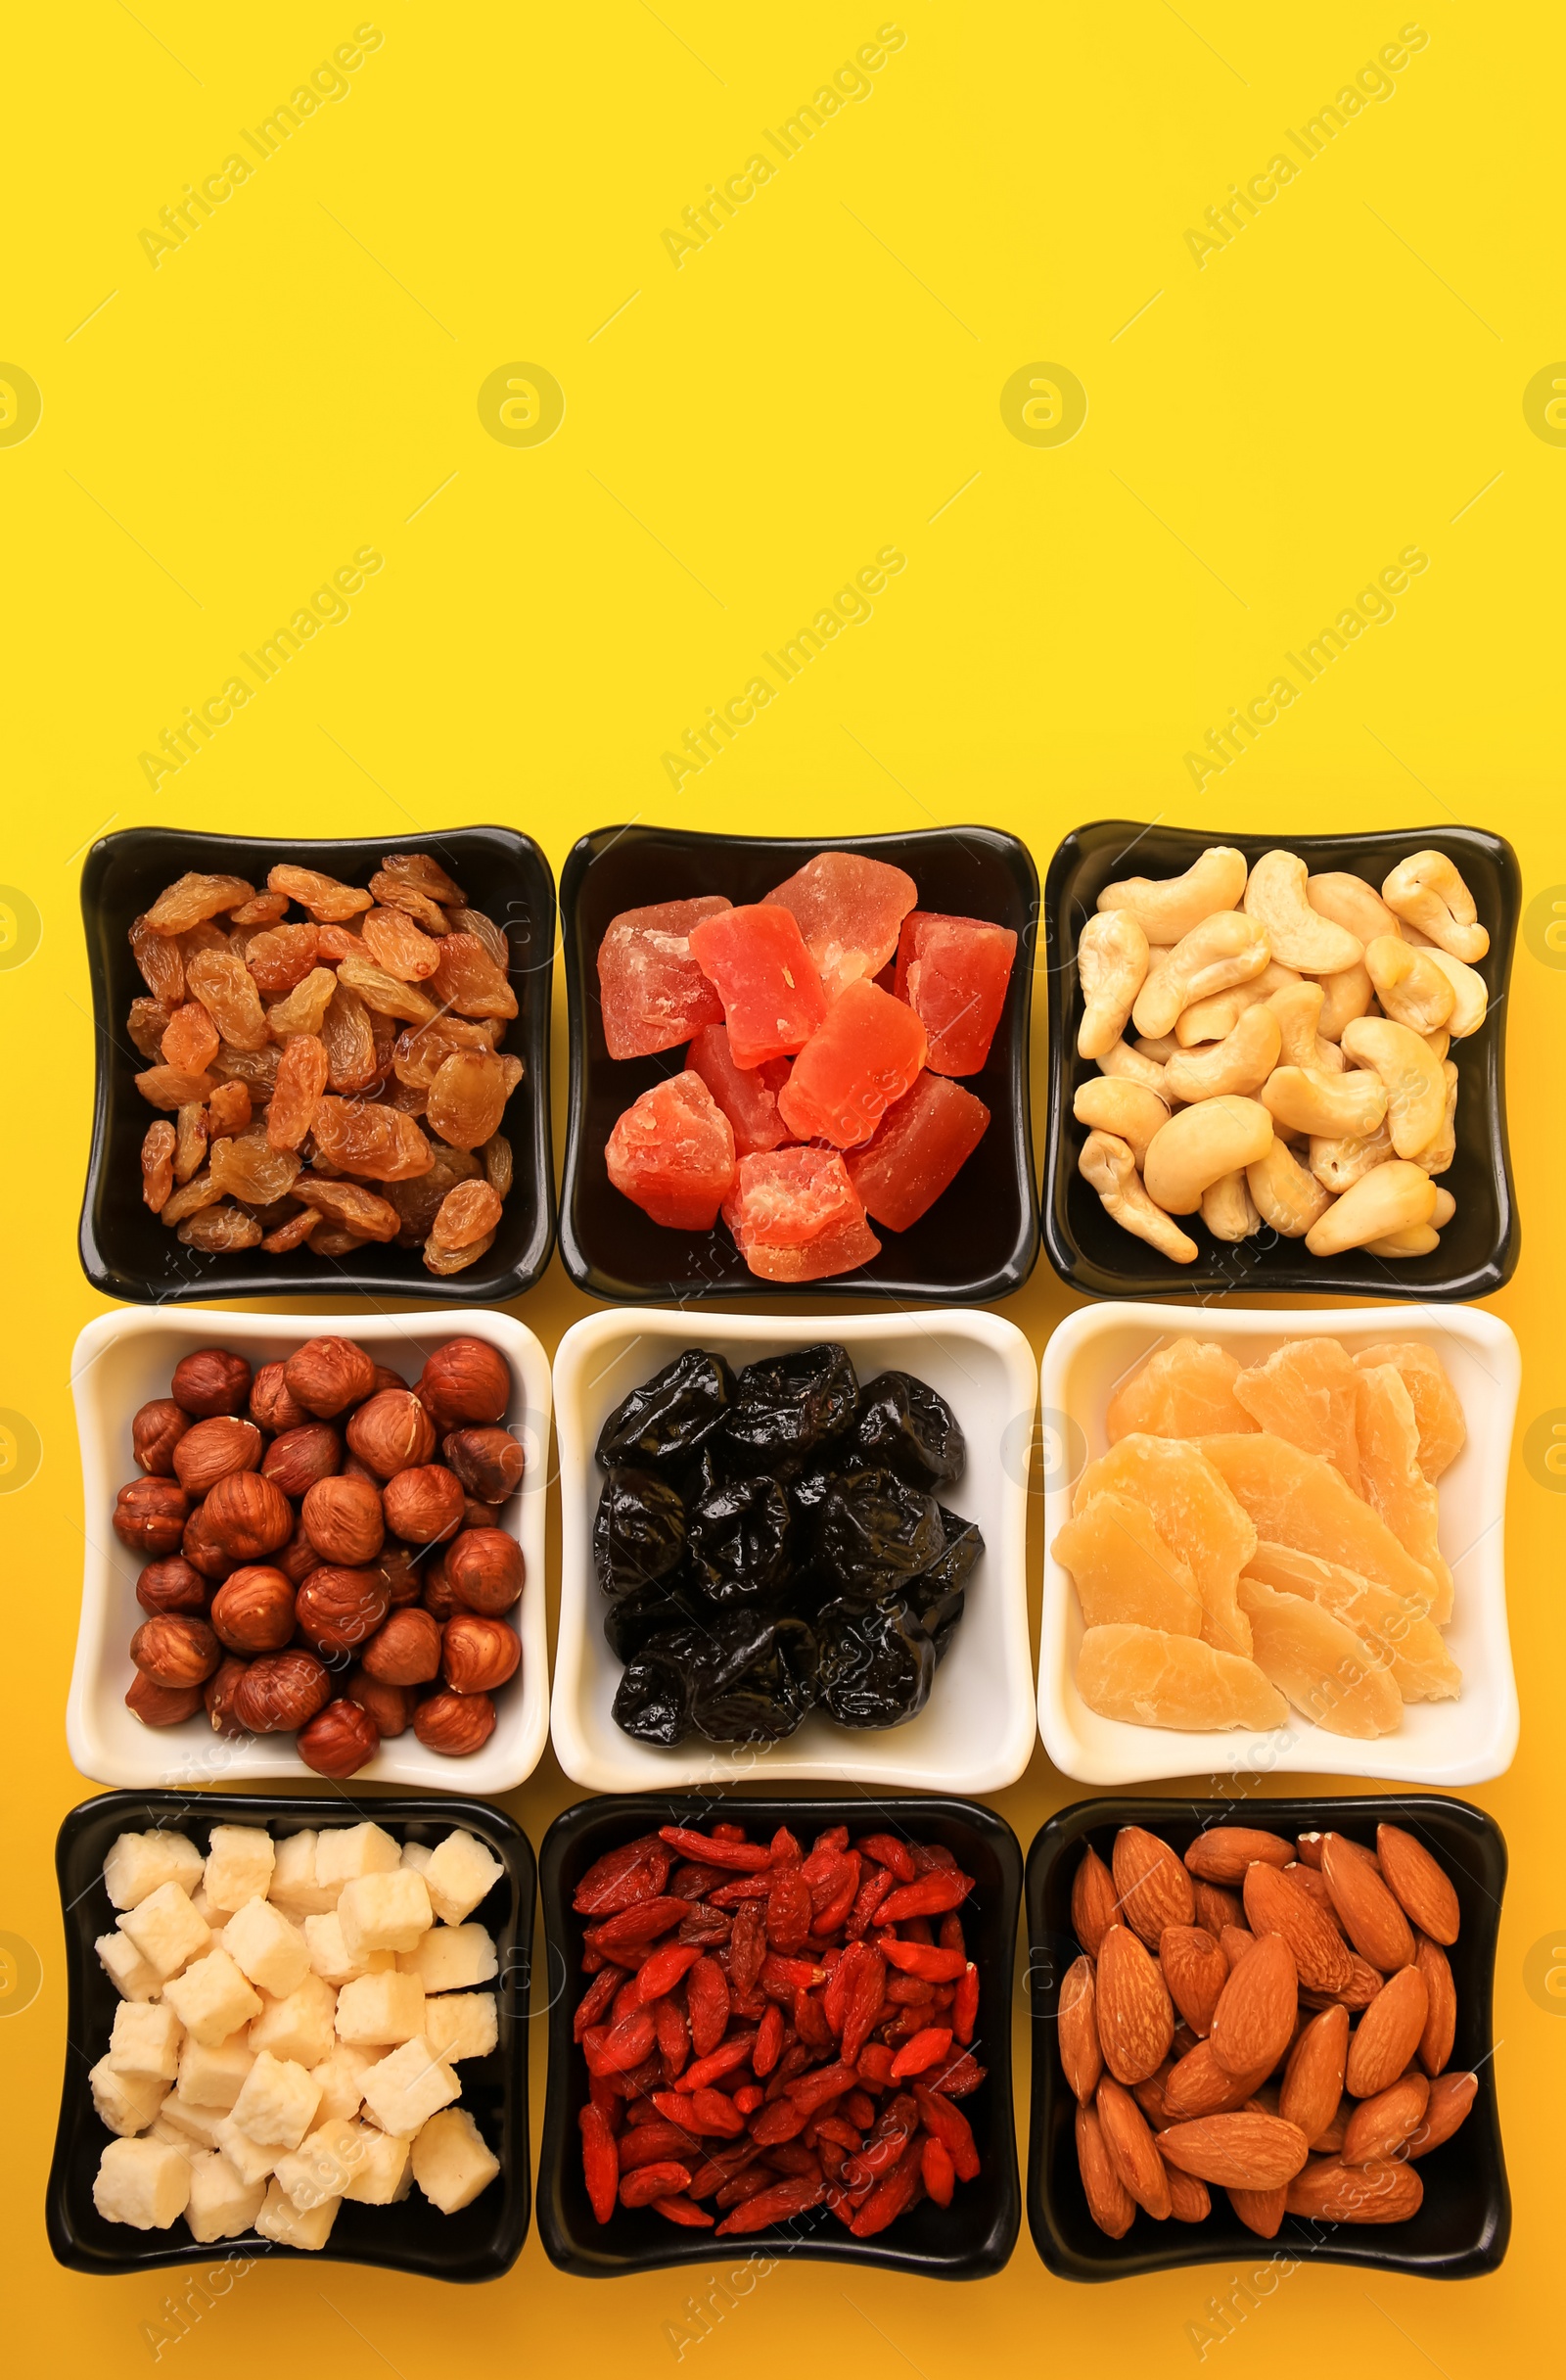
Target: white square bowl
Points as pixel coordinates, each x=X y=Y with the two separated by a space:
x=1445 y=1743
x=126 y=1357
x=976 y=1732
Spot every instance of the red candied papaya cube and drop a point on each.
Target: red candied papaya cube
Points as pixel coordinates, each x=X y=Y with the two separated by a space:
x=868 y=1052
x=842 y=1249
x=651 y=993
x=672 y=1153
x=907 y=939
x=923 y=1143
x=848 y=908
x=746 y=1095
x=766 y=979
x=956 y=986
x=796 y=1216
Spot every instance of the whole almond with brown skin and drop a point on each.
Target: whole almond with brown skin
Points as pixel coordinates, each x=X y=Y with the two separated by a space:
x=1371 y=1919
x=1222 y=1853
x=1149 y=2094
x=245 y=1516
x=1260 y=2211
x=1309 y=1848
x=1332 y=2192
x=155 y=1432
x=1364 y=1982
x=1387 y=2035
x=1217 y=1907
x=1313 y=1885
x=1253 y=2022
x=343 y=1521
x=1197 y=2085
x=1152 y=1886
x=1235 y=1942
x=405 y=1651
x=1093 y=1906
x=326 y=1376
x=392 y=1433
x=454 y=1723
x=1440 y=2024
x=1264 y=2100
x=1313 y=2080
x=273 y=1405
x=1451 y=2098
x=478 y=1654
x=1242 y=2152
x=160 y=1706
x=253 y=1612
x=1189 y=2200
x=1195 y=1970
x=1379 y=2127
x=299 y=1457
x=1109 y=2202
x=209 y=1450
x=1424 y=1890
x=1136 y=2021
x=1329 y=2143
x=1183 y=2042
x=1273 y=1905
x=1081 y=2058
x=1131 y=2147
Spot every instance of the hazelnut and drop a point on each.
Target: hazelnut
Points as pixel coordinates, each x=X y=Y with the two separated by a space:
x=392 y=1433
x=328 y=1374
x=210 y=1381
x=154 y=1433
x=280 y=1691
x=397 y=1566
x=343 y=1520
x=478 y=1654
x=199 y=1550
x=386 y=1377
x=390 y=1706
x=247 y=1515
x=299 y=1558
x=489 y=1462
x=209 y=1450
x=353 y=1469
x=476 y=1515
x=218 y=1696
x=273 y=1404
x=340 y=1741
x=405 y=1651
x=423 y=1506
x=484 y=1571
x=172 y=1585
x=254 y=1610
x=438 y=1597
x=298 y=1458
x=150 y=1515
x=454 y=1723
x=175 y=1649
x=339 y=1610
x=465 y=1381
x=160 y=1706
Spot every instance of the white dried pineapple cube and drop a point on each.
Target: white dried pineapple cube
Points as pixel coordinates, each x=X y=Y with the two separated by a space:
x=239 y=1860
x=167 y=1930
x=300 y=2026
x=128 y=1971
x=211 y=2073
x=459 y=1874
x=252 y=2160
x=213 y=1999
x=452 y=2162
x=462 y=2025
x=385 y=2007
x=339 y=2077
x=383 y=2173
x=271 y=1950
x=417 y=1855
x=277 y=2102
x=451 y=1958
x=221 y=2203
x=294 y=1884
x=146 y=2040
x=281 y=2220
x=328 y=1955
x=127 y=2103
x=323 y=2164
x=145 y=2183
x=137 y=1864
x=386 y=1912
x=408 y=2087
x=342 y=1852
x=196 y=2127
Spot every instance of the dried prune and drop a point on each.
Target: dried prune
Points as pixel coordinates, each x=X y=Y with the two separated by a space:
x=738 y=1534
x=638 y=1531
x=752 y=1679
x=905 y=1427
x=655 y=1609
x=668 y=1417
x=875 y=1664
x=937 y=1595
x=874 y=1533
x=653 y=1700
x=790 y=1404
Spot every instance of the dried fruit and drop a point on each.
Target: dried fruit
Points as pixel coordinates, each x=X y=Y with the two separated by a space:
x=193 y=897
x=323 y=896
x=468 y=980
x=468 y=1213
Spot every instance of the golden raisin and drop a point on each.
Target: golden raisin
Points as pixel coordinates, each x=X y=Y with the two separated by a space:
x=323 y=896
x=468 y=979
x=191 y=1039
x=158 y=958
x=146 y=1024
x=302 y=1077
x=171 y=1086
x=281 y=958
x=220 y=1231
x=397 y=946
x=302 y=1009
x=158 y=1164
x=194 y=899
x=226 y=990
x=467 y=1213
x=375 y=1141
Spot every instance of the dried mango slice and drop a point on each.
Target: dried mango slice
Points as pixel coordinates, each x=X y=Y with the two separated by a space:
x=1194 y=1512
x=1296 y=1499
x=1305 y=1392
x=1182 y=1391
x=1320 y=1664
x=1150 y=1679
x=1443 y=1431
x=1123 y=1571
x=1394 y=1484
x=1400 y=1631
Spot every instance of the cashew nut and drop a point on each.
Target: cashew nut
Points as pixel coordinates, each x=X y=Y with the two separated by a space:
x=1349 y=901
x=1438 y=1044
x=1111 y=964
x=1298 y=1010
x=1420 y=1241
x=1128 y=1065
x=1343 y=997
x=1241 y=1061
x=1416 y=1086
x=1286 y=1196
x=1209 y=1020
x=1168 y=910
x=1194 y=1147
x=1159 y=1046
x=1337 y=1106
x=1125 y=1109
x=1429 y=892
x=1469 y=996
x=1413 y=991
x=1298 y=935
x=1338 y=1161
x=1446 y=1209
x=1109 y=1166
x=1226 y=1208
x=1226 y=948
x=1394 y=1197
x=1439 y=1152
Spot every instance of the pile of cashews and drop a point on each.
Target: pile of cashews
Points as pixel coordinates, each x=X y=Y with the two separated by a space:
x=1288 y=1063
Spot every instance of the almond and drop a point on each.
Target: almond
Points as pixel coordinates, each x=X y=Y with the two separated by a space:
x=1136 y=2022
x=1308 y=1849
x=1243 y=2152
x=1077 y=2030
x=1440 y=2024
x=1335 y=2193
x=1195 y=1970
x=1371 y=1919
x=1273 y=1905
x=1183 y=2042
x=1260 y=2211
x=1221 y=1855
x=1153 y=1887
x=1216 y=1907
x=1312 y=1886
x=1330 y=2142
x=1189 y=2201
x=1386 y=2034
x=1109 y=2202
x=1379 y=2127
x=1425 y=1890
x=1092 y=1901
x=1197 y=2085
x=1149 y=2095
x=1234 y=1942
x=1313 y=2080
x=1253 y=2022
x=1130 y=2148
x=1359 y=1991
x=1451 y=2098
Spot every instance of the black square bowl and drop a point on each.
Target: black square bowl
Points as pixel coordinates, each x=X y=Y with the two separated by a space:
x=979 y=1241
x=975 y=2236
x=1479 y=1246
x=127 y=1253
x=1464 y=2225
x=481 y=2241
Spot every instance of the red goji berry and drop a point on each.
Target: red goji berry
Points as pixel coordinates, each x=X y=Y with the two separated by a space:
x=745 y=2186
x=706 y=2004
x=783 y=1851
x=779 y=2120
x=908 y=1992
x=830 y=1915
x=874 y=2064
x=651 y=2144
x=871 y=1893
x=747 y=1948
x=812 y=2090
x=892 y=2196
x=865 y=1997
x=950 y=2127
x=626 y=2001
x=965 y=2003
x=639 y=2189
x=694 y=1879
x=721 y=2166
x=633 y=1872
x=923 y=2051
x=728 y=1831
x=736 y=2051
x=838 y=2130
x=775 y=2205
x=957 y=2075
x=929 y=1897
x=595 y=1999
x=683 y=2210
x=828 y=1846
x=709 y=1929
x=893 y=2128
x=617 y=2050
x=640 y=2080
x=939 y=2174
x=891 y=1854
x=642 y=1924
x=788 y=1911
x=748 y=2098
x=950 y=1933
x=928 y=1855
x=743 y=1889
x=792 y=1975
x=769 y=2046
x=673 y=2038
x=922 y=1959
x=600 y=2162
x=716 y=1850
x=708 y=2113
x=859 y=2109
x=606 y=2100
x=662 y=1971
x=809 y=2022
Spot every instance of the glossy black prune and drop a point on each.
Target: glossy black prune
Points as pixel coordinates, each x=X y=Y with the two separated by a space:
x=667 y=1418
x=754 y=1679
x=875 y=1664
x=638 y=1531
x=653 y=1700
x=905 y=1427
x=632 y=1620
x=788 y=1405
x=875 y=1532
x=937 y=1596
x=738 y=1541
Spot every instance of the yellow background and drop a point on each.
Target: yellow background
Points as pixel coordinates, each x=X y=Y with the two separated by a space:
x=301 y=378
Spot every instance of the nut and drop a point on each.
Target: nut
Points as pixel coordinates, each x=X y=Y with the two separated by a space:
x=150 y=1517
x=1187 y=1155
x=154 y=1433
x=273 y=1404
x=465 y=1381
x=340 y=1741
x=484 y=1571
x=343 y=1520
x=423 y=1506
x=203 y=1555
x=353 y=1469
x=478 y=1653
x=1107 y=1163
x=390 y=1706
x=172 y=1585
x=160 y=1706
x=438 y=1597
x=299 y=1558
x=218 y=1695
x=1111 y=968
x=254 y=1610
x=489 y=1462
x=386 y=1377
x=398 y=1566
x=245 y=1516
x=1227 y=949
x=175 y=1649
x=392 y=1433
x=281 y=1691
x=340 y=1609
x=209 y=1450
x=1276 y=896
x=1397 y=1196
x=1169 y=909
x=210 y=1381
x=454 y=1723
x=299 y=1457
x=328 y=1374
x=405 y=1651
